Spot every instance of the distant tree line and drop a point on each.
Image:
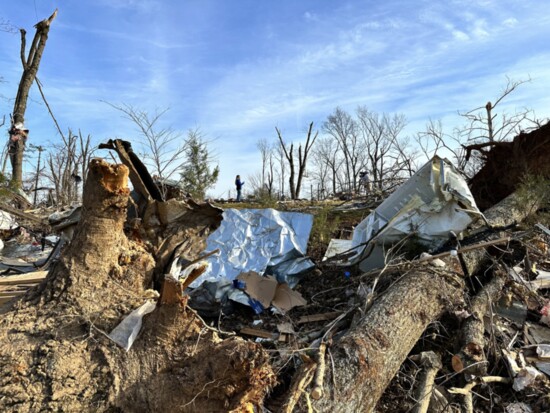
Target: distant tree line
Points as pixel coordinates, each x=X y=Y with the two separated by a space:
x=348 y=146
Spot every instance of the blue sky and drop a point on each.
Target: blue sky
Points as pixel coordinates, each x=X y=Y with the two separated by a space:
x=236 y=69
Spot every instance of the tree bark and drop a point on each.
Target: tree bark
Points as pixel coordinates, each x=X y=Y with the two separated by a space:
x=367 y=357
x=471 y=358
x=431 y=364
x=512 y=209
x=54 y=350
x=18 y=133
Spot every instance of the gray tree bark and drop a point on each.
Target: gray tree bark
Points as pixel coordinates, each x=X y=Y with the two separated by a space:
x=30 y=64
x=367 y=358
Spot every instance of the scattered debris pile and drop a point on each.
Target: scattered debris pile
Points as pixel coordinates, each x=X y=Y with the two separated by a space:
x=505 y=164
x=456 y=325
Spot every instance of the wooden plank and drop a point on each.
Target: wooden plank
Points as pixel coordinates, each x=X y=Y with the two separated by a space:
x=318 y=317
x=4 y=300
x=256 y=332
x=23 y=215
x=12 y=293
x=29 y=278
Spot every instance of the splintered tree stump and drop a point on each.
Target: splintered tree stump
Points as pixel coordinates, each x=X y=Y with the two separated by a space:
x=54 y=350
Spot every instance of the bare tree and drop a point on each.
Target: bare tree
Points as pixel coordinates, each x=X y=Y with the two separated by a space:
x=327 y=161
x=380 y=133
x=320 y=174
x=267 y=174
x=433 y=140
x=67 y=166
x=484 y=129
x=482 y=120
x=302 y=159
x=254 y=182
x=344 y=129
x=18 y=132
x=405 y=157
x=164 y=148
x=280 y=157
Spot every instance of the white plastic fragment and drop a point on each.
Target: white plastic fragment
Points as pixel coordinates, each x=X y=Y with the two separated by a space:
x=543 y=351
x=525 y=378
x=518 y=408
x=7 y=221
x=126 y=332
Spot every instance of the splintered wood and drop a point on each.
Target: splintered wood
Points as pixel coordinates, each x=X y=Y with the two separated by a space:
x=16 y=285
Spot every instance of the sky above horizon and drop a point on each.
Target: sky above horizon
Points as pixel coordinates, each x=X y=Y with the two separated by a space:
x=237 y=69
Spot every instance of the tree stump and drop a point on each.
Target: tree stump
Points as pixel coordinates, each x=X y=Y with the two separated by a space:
x=55 y=354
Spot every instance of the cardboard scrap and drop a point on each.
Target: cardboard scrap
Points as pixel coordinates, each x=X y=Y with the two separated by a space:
x=259 y=288
x=285 y=298
x=267 y=291
x=285 y=328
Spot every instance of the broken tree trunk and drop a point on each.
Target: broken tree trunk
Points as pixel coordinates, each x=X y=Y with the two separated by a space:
x=512 y=209
x=431 y=364
x=471 y=357
x=18 y=133
x=365 y=360
x=54 y=351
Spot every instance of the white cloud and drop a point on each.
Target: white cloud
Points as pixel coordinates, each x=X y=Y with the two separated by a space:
x=510 y=22
x=480 y=29
x=460 y=35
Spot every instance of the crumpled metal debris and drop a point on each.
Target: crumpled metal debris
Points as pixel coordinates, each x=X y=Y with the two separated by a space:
x=260 y=240
x=265 y=241
x=433 y=203
x=65 y=222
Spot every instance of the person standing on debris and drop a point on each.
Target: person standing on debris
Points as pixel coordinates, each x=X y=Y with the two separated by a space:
x=365 y=181
x=239 y=186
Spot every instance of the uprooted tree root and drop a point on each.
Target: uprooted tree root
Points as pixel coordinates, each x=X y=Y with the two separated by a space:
x=55 y=352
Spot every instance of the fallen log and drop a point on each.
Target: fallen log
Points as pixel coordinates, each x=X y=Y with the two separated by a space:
x=366 y=358
x=511 y=210
x=24 y=215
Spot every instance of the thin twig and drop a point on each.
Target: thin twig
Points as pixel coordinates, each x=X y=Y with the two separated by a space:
x=39 y=84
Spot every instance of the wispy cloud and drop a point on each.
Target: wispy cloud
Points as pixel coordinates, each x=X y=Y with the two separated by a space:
x=237 y=72
x=143 y=6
